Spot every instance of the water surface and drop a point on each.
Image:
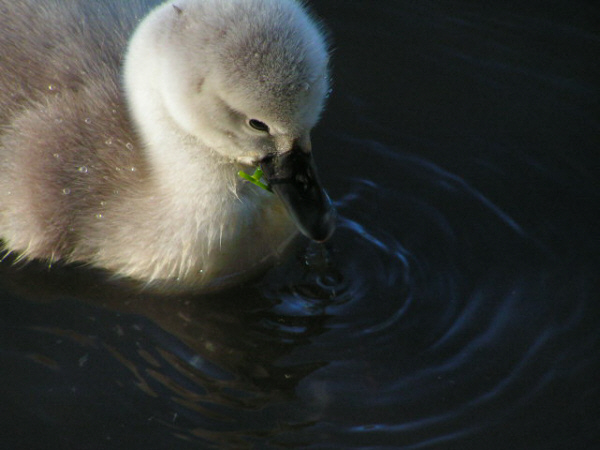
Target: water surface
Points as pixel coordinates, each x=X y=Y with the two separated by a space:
x=456 y=307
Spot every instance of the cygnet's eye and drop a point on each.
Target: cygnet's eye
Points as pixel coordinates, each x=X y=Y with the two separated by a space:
x=258 y=125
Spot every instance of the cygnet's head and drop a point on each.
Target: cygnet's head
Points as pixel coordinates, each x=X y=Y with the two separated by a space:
x=248 y=76
x=248 y=79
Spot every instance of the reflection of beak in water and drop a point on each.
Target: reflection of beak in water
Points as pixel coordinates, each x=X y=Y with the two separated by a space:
x=225 y=348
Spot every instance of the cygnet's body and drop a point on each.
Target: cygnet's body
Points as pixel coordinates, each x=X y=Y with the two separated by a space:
x=134 y=167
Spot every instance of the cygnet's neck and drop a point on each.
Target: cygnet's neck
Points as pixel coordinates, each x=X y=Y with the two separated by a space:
x=178 y=160
x=209 y=211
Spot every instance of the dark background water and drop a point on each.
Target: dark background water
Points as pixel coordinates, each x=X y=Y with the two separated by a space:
x=457 y=306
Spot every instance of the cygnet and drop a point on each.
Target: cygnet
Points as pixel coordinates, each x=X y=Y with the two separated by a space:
x=123 y=133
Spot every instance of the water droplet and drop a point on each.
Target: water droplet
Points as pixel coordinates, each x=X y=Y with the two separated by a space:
x=56 y=155
x=83 y=169
x=88 y=120
x=66 y=191
x=83 y=360
x=133 y=169
x=129 y=146
x=118 y=169
x=51 y=87
x=109 y=141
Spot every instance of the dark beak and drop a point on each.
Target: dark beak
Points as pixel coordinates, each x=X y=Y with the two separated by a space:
x=293 y=177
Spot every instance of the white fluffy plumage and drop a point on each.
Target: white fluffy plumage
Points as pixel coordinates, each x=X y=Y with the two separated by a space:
x=120 y=142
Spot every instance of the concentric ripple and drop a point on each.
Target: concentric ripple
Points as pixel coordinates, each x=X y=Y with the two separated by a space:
x=357 y=266
x=446 y=327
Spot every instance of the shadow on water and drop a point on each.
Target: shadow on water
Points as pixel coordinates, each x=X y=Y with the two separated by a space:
x=456 y=307
x=200 y=369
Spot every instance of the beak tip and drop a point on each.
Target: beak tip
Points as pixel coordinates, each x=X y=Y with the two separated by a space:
x=323 y=225
x=324 y=229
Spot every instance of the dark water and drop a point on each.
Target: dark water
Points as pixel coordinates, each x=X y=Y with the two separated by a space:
x=457 y=307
